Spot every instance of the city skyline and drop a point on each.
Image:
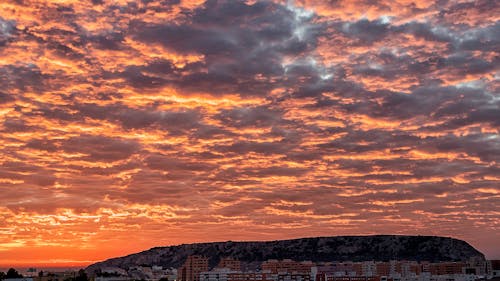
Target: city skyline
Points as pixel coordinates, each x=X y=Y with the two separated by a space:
x=196 y=267
x=126 y=125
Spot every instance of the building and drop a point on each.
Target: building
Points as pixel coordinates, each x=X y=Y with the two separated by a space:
x=334 y=269
x=494 y=268
x=294 y=276
x=397 y=269
x=383 y=269
x=140 y=273
x=476 y=266
x=192 y=267
x=286 y=266
x=170 y=274
x=54 y=276
x=112 y=278
x=358 y=268
x=410 y=269
x=353 y=278
x=368 y=268
x=217 y=274
x=452 y=277
x=251 y=276
x=230 y=263
x=446 y=268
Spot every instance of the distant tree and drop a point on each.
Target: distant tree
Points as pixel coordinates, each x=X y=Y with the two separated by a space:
x=2 y=275
x=12 y=273
x=82 y=276
x=40 y=274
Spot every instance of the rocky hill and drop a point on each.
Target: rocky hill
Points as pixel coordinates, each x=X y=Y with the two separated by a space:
x=318 y=249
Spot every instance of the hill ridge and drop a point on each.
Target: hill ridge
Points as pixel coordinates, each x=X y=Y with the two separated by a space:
x=317 y=249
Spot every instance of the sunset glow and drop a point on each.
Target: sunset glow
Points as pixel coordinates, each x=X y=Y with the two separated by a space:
x=126 y=125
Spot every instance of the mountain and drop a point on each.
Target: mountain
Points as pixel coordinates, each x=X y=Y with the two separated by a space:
x=317 y=249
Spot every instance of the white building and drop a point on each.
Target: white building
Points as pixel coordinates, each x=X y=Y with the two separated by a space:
x=217 y=274
x=112 y=278
x=369 y=268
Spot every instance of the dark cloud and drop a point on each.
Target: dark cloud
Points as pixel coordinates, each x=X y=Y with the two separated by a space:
x=16 y=125
x=365 y=31
x=428 y=32
x=99 y=148
x=28 y=173
x=431 y=101
x=481 y=39
x=175 y=122
x=483 y=146
x=240 y=148
x=160 y=162
x=372 y=140
x=7 y=30
x=223 y=28
x=5 y=98
x=25 y=77
x=110 y=41
x=235 y=39
x=259 y=116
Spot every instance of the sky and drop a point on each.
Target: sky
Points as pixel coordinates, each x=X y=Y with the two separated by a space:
x=126 y=125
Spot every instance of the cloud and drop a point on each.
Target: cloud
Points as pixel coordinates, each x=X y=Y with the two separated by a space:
x=7 y=30
x=99 y=148
x=365 y=31
x=170 y=122
x=259 y=116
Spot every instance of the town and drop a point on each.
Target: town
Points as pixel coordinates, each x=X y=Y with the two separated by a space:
x=196 y=268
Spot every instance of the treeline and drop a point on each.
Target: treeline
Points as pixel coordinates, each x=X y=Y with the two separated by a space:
x=12 y=273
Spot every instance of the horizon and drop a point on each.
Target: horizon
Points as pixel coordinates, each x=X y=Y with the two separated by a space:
x=80 y=264
x=125 y=125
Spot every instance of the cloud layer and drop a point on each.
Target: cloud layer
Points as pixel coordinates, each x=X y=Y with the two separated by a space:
x=165 y=122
